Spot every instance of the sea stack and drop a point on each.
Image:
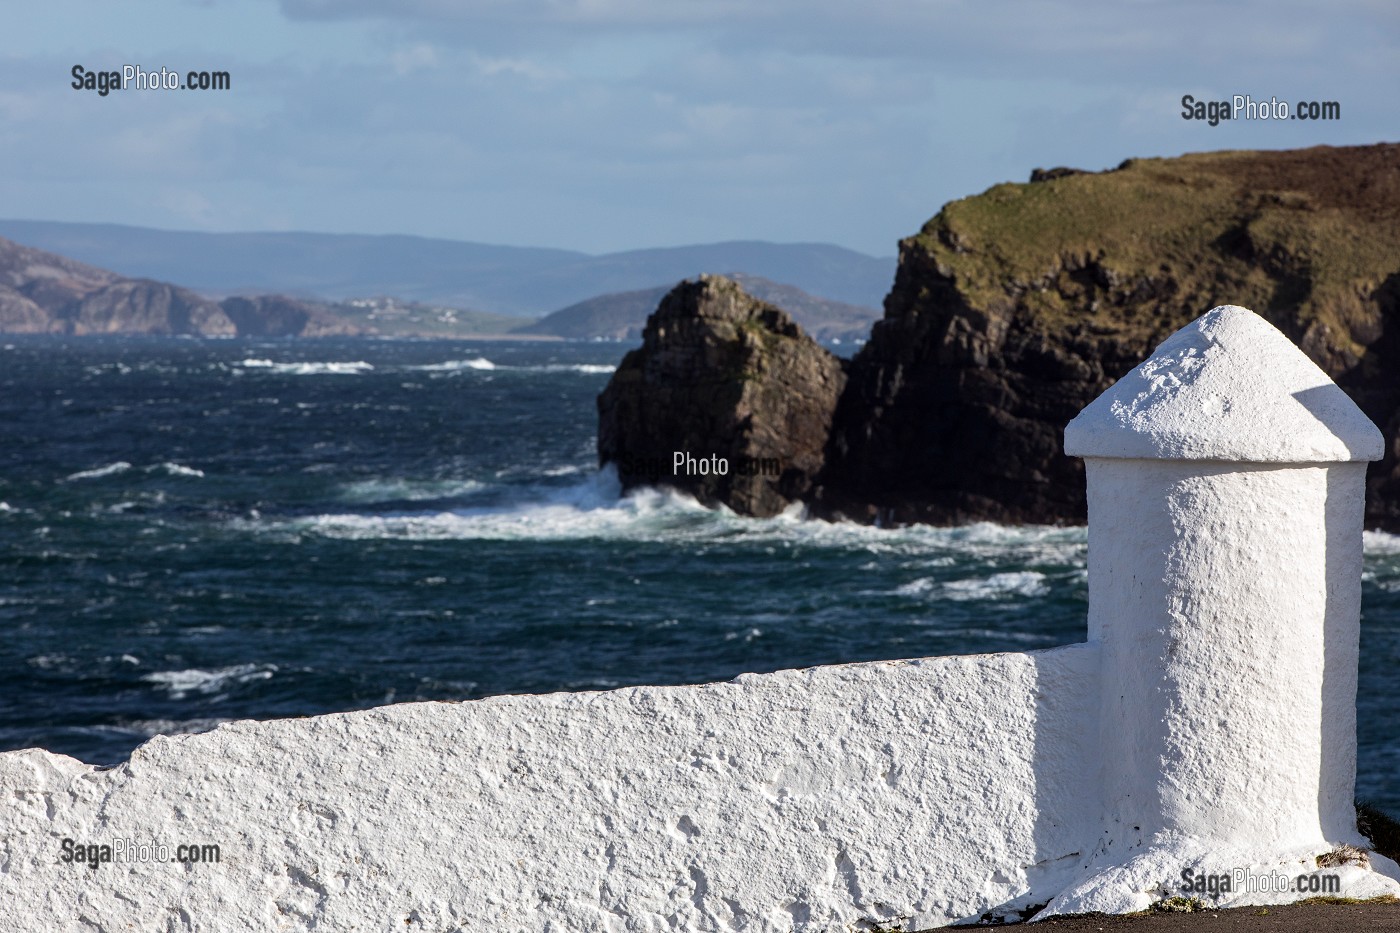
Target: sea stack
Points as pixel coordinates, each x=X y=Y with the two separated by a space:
x=727 y=399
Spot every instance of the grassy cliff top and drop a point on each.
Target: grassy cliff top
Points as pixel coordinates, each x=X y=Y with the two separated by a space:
x=1311 y=232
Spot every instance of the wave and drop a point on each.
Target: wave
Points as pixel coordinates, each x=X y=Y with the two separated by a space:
x=481 y=363
x=1380 y=543
x=181 y=684
x=169 y=467
x=452 y=366
x=1023 y=583
x=352 y=368
x=177 y=469
x=585 y=368
x=594 y=508
x=586 y=510
x=370 y=491
x=111 y=469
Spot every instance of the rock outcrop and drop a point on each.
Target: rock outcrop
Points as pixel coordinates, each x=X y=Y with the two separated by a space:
x=1013 y=309
x=731 y=385
x=141 y=306
x=280 y=316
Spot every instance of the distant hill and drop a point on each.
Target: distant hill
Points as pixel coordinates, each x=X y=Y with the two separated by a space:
x=621 y=316
x=500 y=279
x=42 y=292
x=389 y=317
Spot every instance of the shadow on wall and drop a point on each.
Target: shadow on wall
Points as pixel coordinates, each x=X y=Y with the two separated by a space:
x=1344 y=516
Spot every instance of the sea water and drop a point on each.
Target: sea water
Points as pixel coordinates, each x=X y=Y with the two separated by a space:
x=198 y=531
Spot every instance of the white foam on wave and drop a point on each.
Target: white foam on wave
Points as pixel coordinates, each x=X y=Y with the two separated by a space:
x=481 y=363
x=587 y=510
x=177 y=469
x=169 y=467
x=1023 y=583
x=46 y=662
x=593 y=508
x=367 y=492
x=1382 y=560
x=181 y=684
x=351 y=368
x=111 y=469
x=587 y=369
x=453 y=366
x=919 y=587
x=1379 y=543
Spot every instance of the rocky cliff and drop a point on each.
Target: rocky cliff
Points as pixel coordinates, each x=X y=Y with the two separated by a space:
x=42 y=292
x=1013 y=309
x=731 y=385
x=280 y=316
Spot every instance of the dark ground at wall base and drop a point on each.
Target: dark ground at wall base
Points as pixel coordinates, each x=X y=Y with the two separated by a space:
x=1375 y=916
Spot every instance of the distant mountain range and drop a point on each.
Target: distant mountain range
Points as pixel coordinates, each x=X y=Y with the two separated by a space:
x=496 y=279
x=44 y=292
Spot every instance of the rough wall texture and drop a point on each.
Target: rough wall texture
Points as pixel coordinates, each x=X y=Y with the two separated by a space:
x=1226 y=483
x=858 y=797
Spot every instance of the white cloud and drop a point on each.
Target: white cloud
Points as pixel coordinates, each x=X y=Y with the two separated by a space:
x=600 y=124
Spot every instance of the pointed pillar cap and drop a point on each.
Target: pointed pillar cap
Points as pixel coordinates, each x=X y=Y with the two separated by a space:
x=1227 y=386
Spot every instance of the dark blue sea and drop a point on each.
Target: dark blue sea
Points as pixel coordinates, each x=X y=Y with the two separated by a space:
x=198 y=531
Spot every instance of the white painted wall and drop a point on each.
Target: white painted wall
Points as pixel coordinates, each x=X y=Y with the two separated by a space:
x=892 y=794
x=1208 y=724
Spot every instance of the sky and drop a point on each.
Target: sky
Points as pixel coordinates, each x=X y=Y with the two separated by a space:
x=603 y=125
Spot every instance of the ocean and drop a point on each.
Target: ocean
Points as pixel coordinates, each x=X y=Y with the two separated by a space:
x=193 y=532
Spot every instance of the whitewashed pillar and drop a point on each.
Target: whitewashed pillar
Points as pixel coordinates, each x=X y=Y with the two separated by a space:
x=1226 y=485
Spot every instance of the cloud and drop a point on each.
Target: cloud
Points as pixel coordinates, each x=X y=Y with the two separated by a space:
x=602 y=124
x=1016 y=37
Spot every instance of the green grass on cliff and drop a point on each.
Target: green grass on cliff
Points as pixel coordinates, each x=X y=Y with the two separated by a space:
x=1316 y=230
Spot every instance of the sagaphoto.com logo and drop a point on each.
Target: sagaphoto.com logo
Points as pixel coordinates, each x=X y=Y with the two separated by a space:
x=1245 y=107
x=124 y=851
x=134 y=77
x=1248 y=881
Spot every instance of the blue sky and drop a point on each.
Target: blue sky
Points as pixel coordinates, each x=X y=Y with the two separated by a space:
x=602 y=125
